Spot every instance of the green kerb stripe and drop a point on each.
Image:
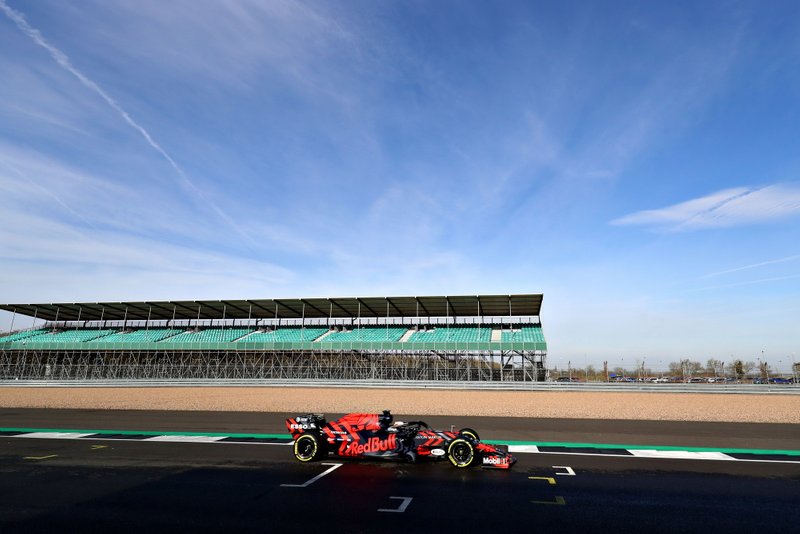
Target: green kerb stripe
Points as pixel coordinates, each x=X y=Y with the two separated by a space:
x=149 y=433
x=643 y=447
x=490 y=441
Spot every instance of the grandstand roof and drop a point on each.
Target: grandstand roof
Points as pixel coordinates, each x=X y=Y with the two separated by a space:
x=292 y=308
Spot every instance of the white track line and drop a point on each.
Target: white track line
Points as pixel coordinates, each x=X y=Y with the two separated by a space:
x=523 y=448
x=52 y=435
x=186 y=439
x=680 y=455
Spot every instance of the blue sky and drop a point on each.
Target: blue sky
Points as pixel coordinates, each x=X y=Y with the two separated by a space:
x=638 y=163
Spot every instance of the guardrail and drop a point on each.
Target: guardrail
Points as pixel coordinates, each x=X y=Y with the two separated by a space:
x=776 y=389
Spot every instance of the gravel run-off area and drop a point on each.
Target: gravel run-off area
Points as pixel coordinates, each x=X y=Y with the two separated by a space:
x=578 y=405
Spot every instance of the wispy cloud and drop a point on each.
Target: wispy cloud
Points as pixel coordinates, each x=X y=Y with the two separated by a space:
x=64 y=62
x=726 y=208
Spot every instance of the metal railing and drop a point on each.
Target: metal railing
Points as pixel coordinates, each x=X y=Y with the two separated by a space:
x=777 y=389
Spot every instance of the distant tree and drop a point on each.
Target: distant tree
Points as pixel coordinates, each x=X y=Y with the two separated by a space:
x=591 y=373
x=675 y=369
x=713 y=366
x=738 y=369
x=763 y=369
x=693 y=368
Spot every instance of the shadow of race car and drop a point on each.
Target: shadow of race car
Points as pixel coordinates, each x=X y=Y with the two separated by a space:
x=362 y=435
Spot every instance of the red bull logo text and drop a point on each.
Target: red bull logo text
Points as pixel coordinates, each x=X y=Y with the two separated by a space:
x=372 y=445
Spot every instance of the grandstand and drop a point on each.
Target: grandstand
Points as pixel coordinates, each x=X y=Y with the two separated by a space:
x=465 y=338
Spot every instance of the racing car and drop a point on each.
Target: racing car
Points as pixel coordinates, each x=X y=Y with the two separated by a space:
x=365 y=435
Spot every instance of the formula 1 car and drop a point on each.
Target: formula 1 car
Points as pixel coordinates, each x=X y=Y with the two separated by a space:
x=359 y=435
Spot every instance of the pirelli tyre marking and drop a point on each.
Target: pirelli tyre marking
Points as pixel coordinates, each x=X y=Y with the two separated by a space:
x=306 y=448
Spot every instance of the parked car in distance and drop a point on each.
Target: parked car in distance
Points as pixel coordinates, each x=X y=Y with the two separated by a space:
x=779 y=380
x=696 y=380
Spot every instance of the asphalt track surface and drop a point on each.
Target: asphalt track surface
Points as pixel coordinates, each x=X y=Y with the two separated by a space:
x=123 y=486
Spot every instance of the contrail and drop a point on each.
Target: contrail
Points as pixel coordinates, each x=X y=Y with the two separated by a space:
x=753 y=266
x=63 y=61
x=751 y=282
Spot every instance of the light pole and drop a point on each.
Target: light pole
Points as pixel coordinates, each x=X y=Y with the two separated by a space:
x=794 y=370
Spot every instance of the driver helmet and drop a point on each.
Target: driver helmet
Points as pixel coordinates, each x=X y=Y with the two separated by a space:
x=385 y=420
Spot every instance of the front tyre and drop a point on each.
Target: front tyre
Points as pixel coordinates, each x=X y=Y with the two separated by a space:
x=469 y=432
x=307 y=448
x=461 y=453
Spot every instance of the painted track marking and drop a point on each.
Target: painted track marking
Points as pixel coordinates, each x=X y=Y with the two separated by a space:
x=681 y=455
x=53 y=435
x=559 y=500
x=523 y=448
x=41 y=457
x=185 y=439
x=568 y=470
x=319 y=476
x=401 y=508
x=550 y=480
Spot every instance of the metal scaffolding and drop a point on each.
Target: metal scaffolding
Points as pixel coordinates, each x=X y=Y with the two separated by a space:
x=526 y=366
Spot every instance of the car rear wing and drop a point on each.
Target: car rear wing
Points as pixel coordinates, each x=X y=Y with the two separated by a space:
x=312 y=422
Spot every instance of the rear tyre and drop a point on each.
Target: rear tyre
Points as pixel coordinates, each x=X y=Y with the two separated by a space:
x=307 y=448
x=469 y=432
x=461 y=453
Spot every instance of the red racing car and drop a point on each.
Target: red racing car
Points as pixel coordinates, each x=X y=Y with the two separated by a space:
x=359 y=435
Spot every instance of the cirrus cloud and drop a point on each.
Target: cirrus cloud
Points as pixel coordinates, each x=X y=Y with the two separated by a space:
x=729 y=207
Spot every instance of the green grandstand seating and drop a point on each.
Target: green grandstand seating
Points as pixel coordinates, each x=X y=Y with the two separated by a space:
x=525 y=334
x=209 y=335
x=151 y=335
x=22 y=335
x=370 y=334
x=285 y=335
x=67 y=336
x=458 y=334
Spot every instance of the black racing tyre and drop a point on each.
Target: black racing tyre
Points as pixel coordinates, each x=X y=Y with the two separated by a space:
x=469 y=432
x=307 y=448
x=461 y=453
